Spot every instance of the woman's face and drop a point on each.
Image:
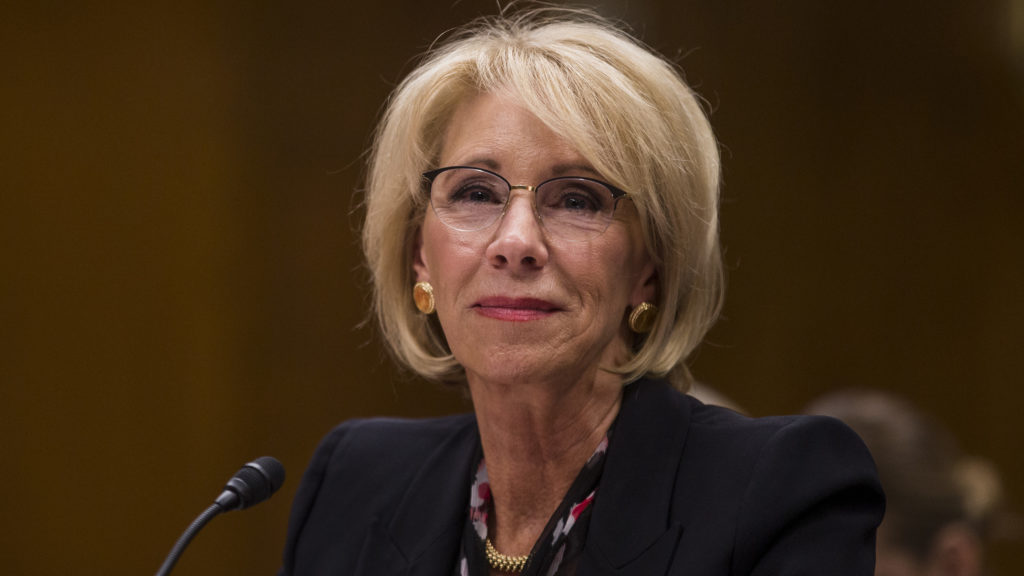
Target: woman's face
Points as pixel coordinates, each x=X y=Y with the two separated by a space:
x=514 y=305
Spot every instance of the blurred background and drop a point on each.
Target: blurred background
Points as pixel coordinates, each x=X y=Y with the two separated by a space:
x=181 y=288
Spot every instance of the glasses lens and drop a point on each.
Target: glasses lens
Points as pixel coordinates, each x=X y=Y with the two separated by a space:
x=575 y=208
x=468 y=199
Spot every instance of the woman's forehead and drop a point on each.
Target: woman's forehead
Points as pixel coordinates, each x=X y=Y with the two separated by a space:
x=496 y=132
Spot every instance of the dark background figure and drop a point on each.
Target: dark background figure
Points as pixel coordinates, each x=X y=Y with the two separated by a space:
x=943 y=507
x=181 y=281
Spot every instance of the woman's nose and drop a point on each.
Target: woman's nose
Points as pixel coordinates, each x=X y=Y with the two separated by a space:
x=519 y=240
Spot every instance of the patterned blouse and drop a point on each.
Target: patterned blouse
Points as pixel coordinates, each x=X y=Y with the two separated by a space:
x=558 y=549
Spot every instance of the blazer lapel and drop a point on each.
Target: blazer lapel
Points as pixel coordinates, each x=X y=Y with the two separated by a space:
x=423 y=536
x=630 y=532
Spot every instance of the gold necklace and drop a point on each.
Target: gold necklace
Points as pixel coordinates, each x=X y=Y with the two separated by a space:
x=498 y=561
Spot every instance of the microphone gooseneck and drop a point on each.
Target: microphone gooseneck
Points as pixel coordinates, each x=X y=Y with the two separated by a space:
x=252 y=484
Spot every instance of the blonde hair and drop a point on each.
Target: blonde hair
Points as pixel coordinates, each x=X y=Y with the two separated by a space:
x=625 y=109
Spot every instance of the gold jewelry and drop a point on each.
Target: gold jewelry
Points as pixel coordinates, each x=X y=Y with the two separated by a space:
x=641 y=319
x=498 y=561
x=423 y=295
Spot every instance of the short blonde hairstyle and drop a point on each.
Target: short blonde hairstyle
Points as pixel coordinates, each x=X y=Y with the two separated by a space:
x=626 y=110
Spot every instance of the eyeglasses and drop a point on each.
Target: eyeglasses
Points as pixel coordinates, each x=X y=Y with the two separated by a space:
x=569 y=208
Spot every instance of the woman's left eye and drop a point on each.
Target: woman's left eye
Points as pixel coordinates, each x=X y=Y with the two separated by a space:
x=577 y=202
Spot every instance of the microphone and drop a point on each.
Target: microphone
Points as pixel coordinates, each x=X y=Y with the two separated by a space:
x=252 y=484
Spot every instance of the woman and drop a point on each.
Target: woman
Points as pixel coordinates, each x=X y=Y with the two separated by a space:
x=554 y=186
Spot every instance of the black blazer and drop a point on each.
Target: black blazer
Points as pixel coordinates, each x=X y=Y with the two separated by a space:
x=686 y=489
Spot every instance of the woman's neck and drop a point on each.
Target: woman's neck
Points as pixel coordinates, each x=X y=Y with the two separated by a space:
x=536 y=438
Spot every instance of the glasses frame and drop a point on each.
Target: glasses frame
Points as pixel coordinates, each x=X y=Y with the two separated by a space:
x=431 y=175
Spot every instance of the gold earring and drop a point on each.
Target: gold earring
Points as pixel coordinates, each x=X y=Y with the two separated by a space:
x=423 y=295
x=641 y=319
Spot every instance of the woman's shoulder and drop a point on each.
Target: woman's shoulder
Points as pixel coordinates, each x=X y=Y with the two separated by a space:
x=725 y=423
x=787 y=493
x=721 y=420
x=764 y=491
x=729 y=439
x=794 y=479
x=786 y=437
x=368 y=470
x=366 y=464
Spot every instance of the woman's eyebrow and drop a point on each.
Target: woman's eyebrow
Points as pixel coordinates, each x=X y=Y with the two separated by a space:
x=573 y=169
x=481 y=161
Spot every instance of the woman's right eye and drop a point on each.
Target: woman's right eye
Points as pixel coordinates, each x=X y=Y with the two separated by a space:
x=474 y=193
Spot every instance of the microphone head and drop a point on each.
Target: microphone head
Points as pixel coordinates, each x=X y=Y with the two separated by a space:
x=254 y=483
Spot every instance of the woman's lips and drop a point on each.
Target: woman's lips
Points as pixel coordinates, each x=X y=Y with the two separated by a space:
x=514 y=309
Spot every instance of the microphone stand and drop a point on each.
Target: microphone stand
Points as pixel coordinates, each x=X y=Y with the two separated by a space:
x=186 y=537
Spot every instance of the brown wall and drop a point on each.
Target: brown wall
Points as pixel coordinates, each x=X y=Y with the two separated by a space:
x=181 y=288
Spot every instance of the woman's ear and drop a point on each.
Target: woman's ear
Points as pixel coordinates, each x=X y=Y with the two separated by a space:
x=647 y=284
x=419 y=263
